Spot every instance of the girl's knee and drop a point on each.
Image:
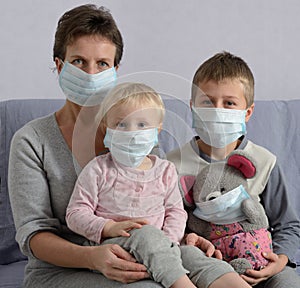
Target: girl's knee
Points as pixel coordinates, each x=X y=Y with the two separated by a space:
x=148 y=232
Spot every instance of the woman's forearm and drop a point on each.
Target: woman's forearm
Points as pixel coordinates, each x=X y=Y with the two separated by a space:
x=55 y=250
x=111 y=260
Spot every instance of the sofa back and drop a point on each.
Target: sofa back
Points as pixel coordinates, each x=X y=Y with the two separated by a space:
x=13 y=115
x=274 y=125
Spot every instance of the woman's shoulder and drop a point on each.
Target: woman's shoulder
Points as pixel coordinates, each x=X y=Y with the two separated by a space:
x=36 y=130
x=42 y=123
x=39 y=125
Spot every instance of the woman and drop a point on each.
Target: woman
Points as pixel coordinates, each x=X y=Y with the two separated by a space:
x=44 y=162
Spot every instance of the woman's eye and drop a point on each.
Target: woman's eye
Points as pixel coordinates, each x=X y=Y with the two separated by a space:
x=77 y=62
x=103 y=64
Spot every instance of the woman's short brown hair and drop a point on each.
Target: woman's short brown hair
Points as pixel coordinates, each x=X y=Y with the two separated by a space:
x=86 y=20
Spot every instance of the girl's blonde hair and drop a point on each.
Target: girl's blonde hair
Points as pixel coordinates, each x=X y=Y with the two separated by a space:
x=136 y=94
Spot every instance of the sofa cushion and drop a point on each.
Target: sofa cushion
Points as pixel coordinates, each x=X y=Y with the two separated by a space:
x=12 y=274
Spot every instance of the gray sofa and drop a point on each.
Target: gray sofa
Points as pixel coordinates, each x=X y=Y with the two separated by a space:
x=275 y=125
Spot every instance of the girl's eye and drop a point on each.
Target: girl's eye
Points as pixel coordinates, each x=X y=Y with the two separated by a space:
x=142 y=125
x=121 y=125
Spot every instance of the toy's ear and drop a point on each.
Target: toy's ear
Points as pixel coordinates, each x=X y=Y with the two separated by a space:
x=242 y=163
x=186 y=183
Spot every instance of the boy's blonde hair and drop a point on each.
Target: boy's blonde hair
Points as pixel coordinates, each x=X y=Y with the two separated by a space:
x=225 y=66
x=136 y=94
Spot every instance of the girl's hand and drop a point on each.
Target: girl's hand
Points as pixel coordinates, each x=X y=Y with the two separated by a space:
x=205 y=245
x=115 y=229
x=276 y=265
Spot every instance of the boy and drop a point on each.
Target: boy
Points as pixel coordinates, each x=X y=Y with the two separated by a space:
x=222 y=102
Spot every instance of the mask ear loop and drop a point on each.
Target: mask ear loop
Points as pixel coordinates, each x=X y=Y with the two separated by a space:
x=62 y=63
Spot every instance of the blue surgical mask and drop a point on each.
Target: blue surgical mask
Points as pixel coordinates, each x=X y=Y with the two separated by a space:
x=129 y=148
x=225 y=209
x=86 y=89
x=219 y=127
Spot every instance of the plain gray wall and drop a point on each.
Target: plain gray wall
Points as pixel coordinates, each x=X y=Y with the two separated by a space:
x=169 y=38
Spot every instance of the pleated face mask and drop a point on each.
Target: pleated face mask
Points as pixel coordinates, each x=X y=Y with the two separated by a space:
x=225 y=209
x=83 y=88
x=129 y=148
x=219 y=127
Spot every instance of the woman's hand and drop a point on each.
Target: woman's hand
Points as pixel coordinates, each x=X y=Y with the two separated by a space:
x=276 y=265
x=205 y=245
x=116 y=264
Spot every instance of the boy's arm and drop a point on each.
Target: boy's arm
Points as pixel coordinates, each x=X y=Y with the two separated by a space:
x=283 y=220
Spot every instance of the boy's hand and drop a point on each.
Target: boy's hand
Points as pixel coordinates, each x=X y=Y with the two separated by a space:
x=205 y=245
x=276 y=265
x=115 y=229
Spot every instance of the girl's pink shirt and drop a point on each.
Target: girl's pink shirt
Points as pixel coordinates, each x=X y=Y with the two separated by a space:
x=107 y=190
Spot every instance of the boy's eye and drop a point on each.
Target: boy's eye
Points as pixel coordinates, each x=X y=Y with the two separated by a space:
x=230 y=103
x=206 y=103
